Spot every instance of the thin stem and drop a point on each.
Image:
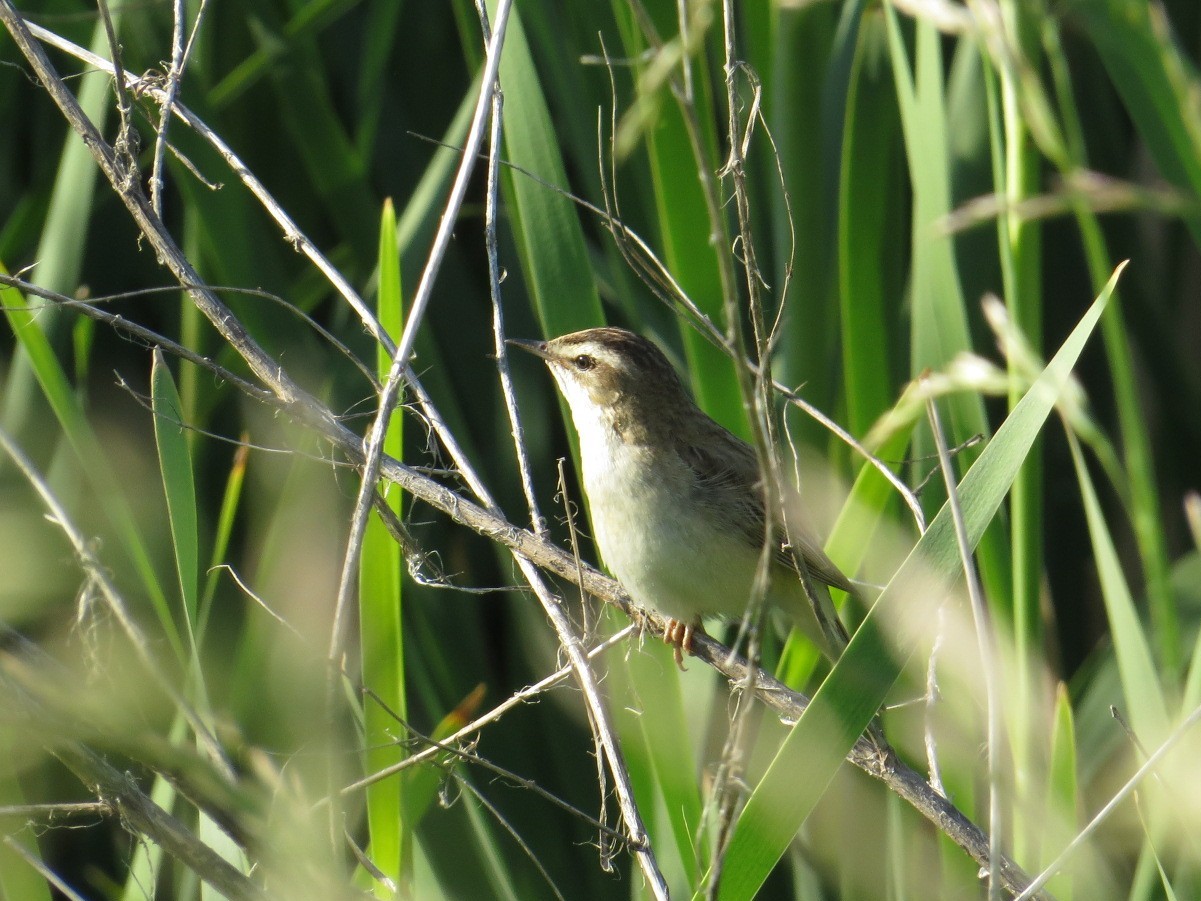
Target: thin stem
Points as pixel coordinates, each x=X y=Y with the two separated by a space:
x=931 y=700
x=501 y=349
x=126 y=143
x=984 y=643
x=174 y=75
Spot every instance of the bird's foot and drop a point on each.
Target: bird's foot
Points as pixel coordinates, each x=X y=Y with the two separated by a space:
x=678 y=635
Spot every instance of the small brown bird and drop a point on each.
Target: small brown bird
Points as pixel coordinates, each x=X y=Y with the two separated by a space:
x=677 y=500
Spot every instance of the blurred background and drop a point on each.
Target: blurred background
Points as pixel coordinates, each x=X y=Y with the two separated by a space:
x=904 y=160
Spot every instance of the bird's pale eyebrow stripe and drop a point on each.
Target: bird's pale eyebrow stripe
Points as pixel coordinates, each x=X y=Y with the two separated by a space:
x=642 y=353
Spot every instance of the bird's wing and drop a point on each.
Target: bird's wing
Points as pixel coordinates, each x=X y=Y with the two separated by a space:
x=727 y=478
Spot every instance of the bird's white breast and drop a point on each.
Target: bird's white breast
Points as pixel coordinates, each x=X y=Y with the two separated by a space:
x=668 y=553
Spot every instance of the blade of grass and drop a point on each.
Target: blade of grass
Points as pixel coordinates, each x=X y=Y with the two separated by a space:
x=381 y=38
x=179 y=487
x=940 y=329
x=1145 y=513
x=1146 y=704
x=61 y=248
x=814 y=53
x=1192 y=684
x=1158 y=83
x=1063 y=790
x=868 y=148
x=215 y=837
x=175 y=464
x=230 y=498
x=657 y=731
x=380 y=606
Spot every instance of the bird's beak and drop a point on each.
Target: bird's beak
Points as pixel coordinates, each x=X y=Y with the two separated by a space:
x=537 y=348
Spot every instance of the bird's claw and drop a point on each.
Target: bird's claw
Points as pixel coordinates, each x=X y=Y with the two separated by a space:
x=678 y=635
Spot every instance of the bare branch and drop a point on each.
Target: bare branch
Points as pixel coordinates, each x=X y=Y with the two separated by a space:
x=147 y=818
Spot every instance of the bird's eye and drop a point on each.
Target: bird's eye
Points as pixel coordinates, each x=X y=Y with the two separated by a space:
x=584 y=362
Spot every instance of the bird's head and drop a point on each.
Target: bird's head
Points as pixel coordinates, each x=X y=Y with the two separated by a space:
x=609 y=369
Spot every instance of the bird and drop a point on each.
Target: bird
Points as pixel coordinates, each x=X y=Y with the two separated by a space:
x=677 y=500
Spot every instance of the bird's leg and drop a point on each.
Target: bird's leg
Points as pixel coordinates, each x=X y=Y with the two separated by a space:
x=678 y=635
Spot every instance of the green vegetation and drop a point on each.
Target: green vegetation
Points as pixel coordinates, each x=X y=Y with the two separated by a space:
x=925 y=209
